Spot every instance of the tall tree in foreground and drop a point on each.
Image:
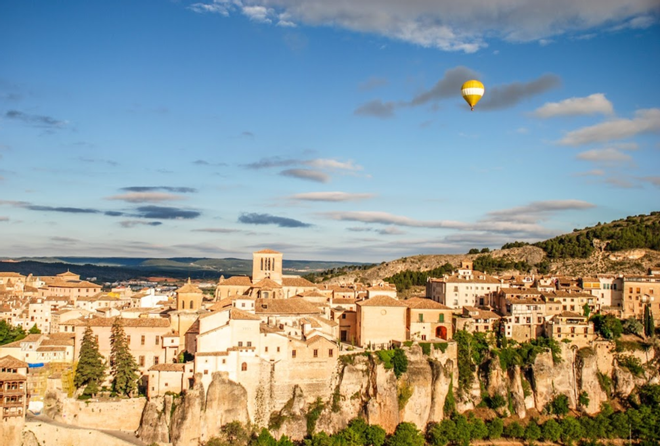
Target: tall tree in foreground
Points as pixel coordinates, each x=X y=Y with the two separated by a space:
x=90 y=370
x=123 y=367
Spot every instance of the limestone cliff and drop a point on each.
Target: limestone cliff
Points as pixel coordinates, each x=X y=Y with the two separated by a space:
x=362 y=386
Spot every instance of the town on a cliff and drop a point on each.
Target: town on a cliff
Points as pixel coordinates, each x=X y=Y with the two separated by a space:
x=469 y=355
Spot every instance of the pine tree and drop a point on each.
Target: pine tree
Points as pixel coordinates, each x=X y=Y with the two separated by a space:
x=34 y=330
x=123 y=367
x=90 y=370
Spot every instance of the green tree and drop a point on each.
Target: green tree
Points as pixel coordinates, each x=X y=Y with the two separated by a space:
x=633 y=326
x=285 y=441
x=400 y=362
x=478 y=429
x=649 y=323
x=532 y=432
x=406 y=434
x=571 y=430
x=559 y=405
x=320 y=439
x=586 y=310
x=34 y=330
x=266 y=439
x=123 y=368
x=583 y=399
x=607 y=326
x=495 y=429
x=514 y=430
x=9 y=333
x=374 y=435
x=90 y=370
x=551 y=431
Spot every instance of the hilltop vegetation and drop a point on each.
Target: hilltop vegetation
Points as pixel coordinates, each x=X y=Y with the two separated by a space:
x=635 y=232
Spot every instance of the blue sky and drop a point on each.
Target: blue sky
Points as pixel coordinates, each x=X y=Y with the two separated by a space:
x=325 y=130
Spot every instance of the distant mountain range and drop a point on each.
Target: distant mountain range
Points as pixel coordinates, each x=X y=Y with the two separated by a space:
x=111 y=269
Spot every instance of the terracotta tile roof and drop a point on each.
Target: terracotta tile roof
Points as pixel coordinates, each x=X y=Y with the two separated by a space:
x=381 y=301
x=312 y=293
x=222 y=304
x=422 y=303
x=108 y=321
x=168 y=367
x=343 y=301
x=11 y=362
x=11 y=377
x=237 y=314
x=189 y=288
x=265 y=328
x=477 y=277
x=267 y=283
x=571 y=314
x=561 y=294
x=267 y=251
x=294 y=305
x=324 y=321
x=10 y=274
x=520 y=291
x=297 y=282
x=32 y=338
x=236 y=281
x=51 y=349
x=523 y=301
x=58 y=342
x=73 y=284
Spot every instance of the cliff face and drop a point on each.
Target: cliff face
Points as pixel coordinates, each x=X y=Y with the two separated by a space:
x=361 y=386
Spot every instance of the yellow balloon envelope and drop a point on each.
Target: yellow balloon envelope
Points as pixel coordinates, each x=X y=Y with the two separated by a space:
x=472 y=91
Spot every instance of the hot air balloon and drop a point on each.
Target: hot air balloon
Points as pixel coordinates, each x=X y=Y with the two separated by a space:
x=472 y=91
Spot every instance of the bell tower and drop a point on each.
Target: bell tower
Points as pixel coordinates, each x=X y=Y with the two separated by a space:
x=267 y=264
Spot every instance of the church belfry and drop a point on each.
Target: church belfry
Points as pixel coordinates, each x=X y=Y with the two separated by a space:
x=267 y=264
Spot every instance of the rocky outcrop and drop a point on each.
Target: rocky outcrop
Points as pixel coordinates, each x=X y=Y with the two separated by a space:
x=226 y=401
x=362 y=387
x=154 y=426
x=587 y=379
x=550 y=378
x=29 y=439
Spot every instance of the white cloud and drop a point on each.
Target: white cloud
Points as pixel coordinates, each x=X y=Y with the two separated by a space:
x=591 y=173
x=592 y=104
x=321 y=163
x=608 y=155
x=652 y=180
x=257 y=13
x=645 y=121
x=331 y=196
x=451 y=25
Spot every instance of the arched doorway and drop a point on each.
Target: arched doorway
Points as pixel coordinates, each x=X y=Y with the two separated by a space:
x=441 y=332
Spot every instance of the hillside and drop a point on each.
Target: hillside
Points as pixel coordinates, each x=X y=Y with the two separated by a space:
x=626 y=246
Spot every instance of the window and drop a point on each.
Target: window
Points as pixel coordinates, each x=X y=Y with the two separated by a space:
x=244 y=367
x=343 y=316
x=156 y=360
x=157 y=340
x=128 y=339
x=206 y=372
x=249 y=343
x=293 y=353
x=240 y=343
x=266 y=349
x=421 y=317
x=142 y=339
x=278 y=349
x=441 y=317
x=191 y=304
x=316 y=353
x=331 y=352
x=141 y=361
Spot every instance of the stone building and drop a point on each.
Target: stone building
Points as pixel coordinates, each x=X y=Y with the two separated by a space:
x=639 y=291
x=13 y=387
x=466 y=287
x=428 y=320
x=380 y=320
x=573 y=327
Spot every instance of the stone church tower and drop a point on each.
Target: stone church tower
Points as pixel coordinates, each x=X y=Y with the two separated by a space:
x=189 y=297
x=267 y=264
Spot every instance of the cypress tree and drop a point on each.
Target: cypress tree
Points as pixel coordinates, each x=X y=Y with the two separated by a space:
x=649 y=324
x=123 y=367
x=90 y=370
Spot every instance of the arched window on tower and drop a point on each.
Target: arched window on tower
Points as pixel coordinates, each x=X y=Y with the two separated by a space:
x=191 y=304
x=244 y=367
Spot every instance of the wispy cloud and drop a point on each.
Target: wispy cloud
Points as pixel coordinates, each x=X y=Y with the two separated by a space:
x=608 y=155
x=331 y=196
x=509 y=95
x=134 y=223
x=217 y=230
x=332 y=164
x=178 y=190
x=59 y=239
x=165 y=213
x=62 y=209
x=377 y=109
x=146 y=197
x=655 y=181
x=35 y=120
x=98 y=161
x=451 y=26
x=267 y=219
x=373 y=82
x=590 y=105
x=4 y=218
x=645 y=121
x=307 y=174
x=495 y=98
x=209 y=163
x=267 y=163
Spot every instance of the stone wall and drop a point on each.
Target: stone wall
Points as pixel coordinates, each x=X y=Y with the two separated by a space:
x=123 y=415
x=53 y=435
